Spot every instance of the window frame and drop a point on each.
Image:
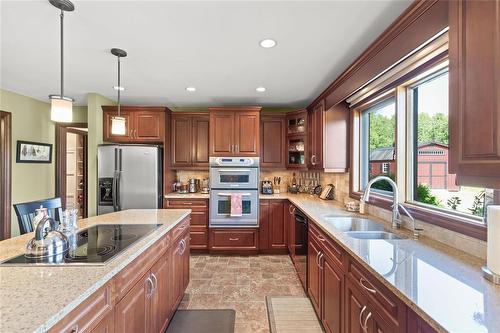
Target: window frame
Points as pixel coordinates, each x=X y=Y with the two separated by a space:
x=455 y=221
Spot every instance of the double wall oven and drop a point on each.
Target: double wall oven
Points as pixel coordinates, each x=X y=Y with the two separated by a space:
x=229 y=175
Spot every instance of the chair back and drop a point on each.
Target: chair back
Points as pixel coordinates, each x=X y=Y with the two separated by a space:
x=26 y=212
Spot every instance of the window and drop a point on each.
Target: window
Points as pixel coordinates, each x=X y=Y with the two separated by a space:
x=432 y=185
x=378 y=134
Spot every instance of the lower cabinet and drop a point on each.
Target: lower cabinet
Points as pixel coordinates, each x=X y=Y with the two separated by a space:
x=133 y=312
x=106 y=325
x=273 y=227
x=160 y=298
x=199 y=221
x=234 y=240
x=332 y=290
x=313 y=275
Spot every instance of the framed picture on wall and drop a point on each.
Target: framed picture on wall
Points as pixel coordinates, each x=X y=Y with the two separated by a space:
x=33 y=152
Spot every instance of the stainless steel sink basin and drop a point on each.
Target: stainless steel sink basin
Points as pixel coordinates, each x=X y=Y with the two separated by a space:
x=373 y=235
x=345 y=223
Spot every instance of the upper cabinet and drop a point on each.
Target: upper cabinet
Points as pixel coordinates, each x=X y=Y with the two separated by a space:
x=235 y=131
x=272 y=140
x=336 y=138
x=296 y=139
x=315 y=132
x=474 y=92
x=142 y=124
x=189 y=140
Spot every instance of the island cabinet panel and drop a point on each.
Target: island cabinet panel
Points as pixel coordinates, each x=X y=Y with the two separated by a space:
x=315 y=132
x=143 y=124
x=474 y=55
x=189 y=139
x=199 y=220
x=272 y=141
x=133 y=312
x=235 y=131
x=273 y=227
x=179 y=275
x=88 y=316
x=106 y=325
x=161 y=309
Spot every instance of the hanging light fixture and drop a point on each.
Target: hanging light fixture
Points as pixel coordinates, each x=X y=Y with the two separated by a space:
x=61 y=109
x=118 y=122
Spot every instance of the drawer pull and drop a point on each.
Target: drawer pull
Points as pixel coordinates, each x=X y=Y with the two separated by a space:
x=362 y=283
x=234 y=239
x=74 y=329
x=155 y=284
x=361 y=316
x=321 y=238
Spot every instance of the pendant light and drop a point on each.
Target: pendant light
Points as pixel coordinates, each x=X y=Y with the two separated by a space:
x=118 y=122
x=61 y=109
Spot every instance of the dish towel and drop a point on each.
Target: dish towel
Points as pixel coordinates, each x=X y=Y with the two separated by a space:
x=236 y=204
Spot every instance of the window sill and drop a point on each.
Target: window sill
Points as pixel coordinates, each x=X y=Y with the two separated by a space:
x=458 y=224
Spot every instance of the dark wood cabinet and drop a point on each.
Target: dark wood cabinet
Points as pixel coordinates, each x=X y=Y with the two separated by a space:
x=273 y=140
x=315 y=131
x=160 y=306
x=180 y=268
x=332 y=286
x=106 y=325
x=355 y=306
x=336 y=156
x=143 y=124
x=290 y=220
x=133 y=312
x=273 y=228
x=199 y=221
x=189 y=140
x=415 y=324
x=313 y=275
x=234 y=240
x=296 y=139
x=235 y=131
x=474 y=83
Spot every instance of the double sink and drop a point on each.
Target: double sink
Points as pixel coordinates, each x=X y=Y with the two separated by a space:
x=360 y=228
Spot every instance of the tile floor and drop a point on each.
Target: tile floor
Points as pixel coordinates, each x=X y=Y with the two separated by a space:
x=241 y=283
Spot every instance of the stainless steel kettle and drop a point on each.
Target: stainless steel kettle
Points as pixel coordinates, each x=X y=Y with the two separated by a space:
x=53 y=244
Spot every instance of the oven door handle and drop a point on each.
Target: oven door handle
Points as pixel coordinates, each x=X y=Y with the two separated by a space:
x=234 y=170
x=229 y=194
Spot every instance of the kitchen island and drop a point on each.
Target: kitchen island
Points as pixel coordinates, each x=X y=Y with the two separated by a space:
x=77 y=298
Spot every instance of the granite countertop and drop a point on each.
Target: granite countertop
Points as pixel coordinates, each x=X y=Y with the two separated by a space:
x=443 y=285
x=34 y=298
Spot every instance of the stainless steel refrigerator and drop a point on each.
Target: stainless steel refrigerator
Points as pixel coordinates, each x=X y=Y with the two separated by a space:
x=129 y=176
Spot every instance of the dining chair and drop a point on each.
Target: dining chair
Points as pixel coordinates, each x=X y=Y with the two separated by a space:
x=26 y=211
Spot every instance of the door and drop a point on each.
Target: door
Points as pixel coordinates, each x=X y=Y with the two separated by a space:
x=129 y=125
x=185 y=262
x=246 y=132
x=290 y=217
x=474 y=54
x=277 y=225
x=355 y=309
x=132 y=313
x=160 y=306
x=177 y=272
x=222 y=133
x=181 y=141
x=316 y=136
x=313 y=275
x=200 y=140
x=332 y=296
x=272 y=143
x=264 y=225
x=149 y=126
x=106 y=325
x=140 y=177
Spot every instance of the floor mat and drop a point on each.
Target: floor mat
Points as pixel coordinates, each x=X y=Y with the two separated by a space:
x=202 y=321
x=289 y=314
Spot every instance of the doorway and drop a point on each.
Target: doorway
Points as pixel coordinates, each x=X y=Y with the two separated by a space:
x=71 y=168
x=5 y=173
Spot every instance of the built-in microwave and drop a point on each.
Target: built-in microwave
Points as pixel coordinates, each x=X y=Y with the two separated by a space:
x=234 y=172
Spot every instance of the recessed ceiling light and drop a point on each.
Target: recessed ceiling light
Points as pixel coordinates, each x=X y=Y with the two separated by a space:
x=260 y=89
x=119 y=88
x=267 y=43
x=191 y=89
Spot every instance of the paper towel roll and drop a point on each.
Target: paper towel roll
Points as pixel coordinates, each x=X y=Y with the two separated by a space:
x=493 y=239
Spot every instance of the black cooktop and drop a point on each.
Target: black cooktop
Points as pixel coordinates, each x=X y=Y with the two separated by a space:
x=93 y=246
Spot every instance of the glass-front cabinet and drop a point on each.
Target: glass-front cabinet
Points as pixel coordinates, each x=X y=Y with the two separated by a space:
x=297 y=139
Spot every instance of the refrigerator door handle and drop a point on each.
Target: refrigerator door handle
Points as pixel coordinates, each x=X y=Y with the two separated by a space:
x=118 y=180
x=113 y=189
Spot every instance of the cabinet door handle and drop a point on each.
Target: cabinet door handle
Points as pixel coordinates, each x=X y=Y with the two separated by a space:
x=321 y=238
x=234 y=239
x=313 y=159
x=74 y=329
x=365 y=325
x=361 y=317
x=362 y=283
x=237 y=149
x=155 y=286
x=150 y=282
x=319 y=259
x=135 y=133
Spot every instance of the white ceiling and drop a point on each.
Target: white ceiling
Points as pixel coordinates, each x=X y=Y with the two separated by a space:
x=212 y=45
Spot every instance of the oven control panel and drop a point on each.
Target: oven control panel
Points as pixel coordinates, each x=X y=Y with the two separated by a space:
x=234 y=161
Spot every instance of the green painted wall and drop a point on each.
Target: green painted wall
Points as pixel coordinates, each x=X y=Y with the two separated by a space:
x=31 y=122
x=94 y=117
